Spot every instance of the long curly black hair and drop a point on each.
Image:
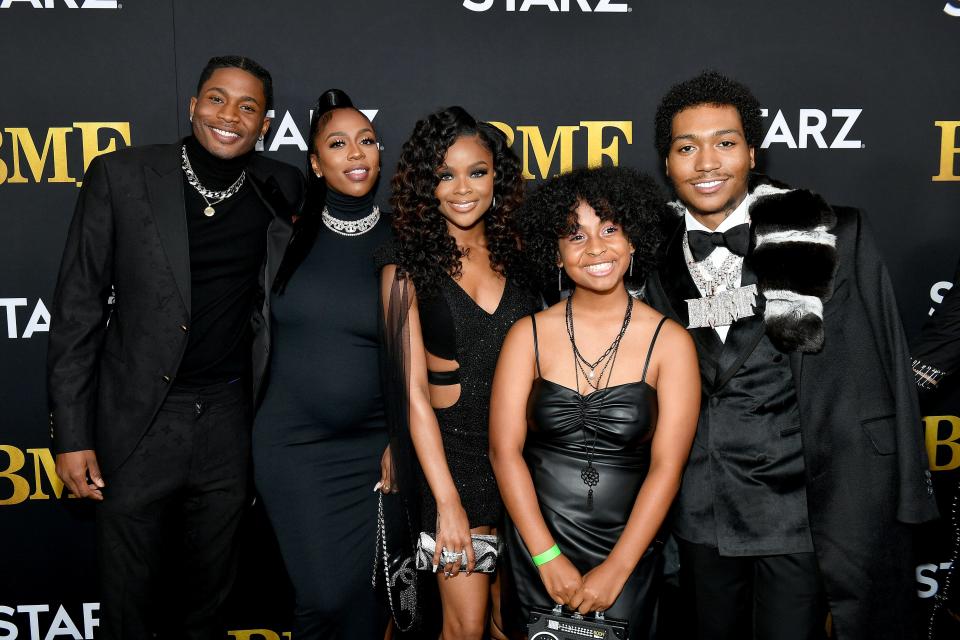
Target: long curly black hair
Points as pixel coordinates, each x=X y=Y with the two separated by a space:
x=425 y=251
x=713 y=88
x=621 y=195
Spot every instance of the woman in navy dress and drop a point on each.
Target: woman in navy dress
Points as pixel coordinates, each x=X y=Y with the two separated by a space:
x=594 y=405
x=320 y=434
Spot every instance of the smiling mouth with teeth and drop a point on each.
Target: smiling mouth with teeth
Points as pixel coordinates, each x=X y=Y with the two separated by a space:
x=600 y=267
x=228 y=134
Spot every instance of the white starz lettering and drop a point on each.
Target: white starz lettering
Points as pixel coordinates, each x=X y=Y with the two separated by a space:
x=723 y=308
x=39 y=318
x=69 y=4
x=288 y=133
x=811 y=126
x=38 y=625
x=554 y=6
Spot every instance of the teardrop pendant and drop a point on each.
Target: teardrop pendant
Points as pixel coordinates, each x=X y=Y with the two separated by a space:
x=593 y=372
x=209 y=211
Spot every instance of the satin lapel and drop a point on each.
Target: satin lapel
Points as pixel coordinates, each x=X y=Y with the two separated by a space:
x=743 y=337
x=279 y=232
x=679 y=287
x=165 y=189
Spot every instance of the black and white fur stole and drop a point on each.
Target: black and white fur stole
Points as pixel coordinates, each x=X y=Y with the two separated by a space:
x=794 y=255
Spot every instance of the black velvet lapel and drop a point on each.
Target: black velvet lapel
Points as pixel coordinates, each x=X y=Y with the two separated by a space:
x=743 y=337
x=679 y=287
x=279 y=232
x=165 y=189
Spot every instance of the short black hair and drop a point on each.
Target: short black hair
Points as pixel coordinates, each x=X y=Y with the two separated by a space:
x=239 y=62
x=621 y=195
x=711 y=88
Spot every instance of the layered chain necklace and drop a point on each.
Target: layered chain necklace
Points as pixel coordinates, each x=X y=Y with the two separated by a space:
x=587 y=368
x=208 y=194
x=351 y=227
x=715 y=308
x=589 y=473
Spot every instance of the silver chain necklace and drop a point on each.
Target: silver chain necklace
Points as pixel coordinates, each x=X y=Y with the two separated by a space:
x=208 y=194
x=351 y=227
x=718 y=309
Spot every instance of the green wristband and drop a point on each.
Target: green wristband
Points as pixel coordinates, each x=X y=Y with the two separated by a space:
x=546 y=556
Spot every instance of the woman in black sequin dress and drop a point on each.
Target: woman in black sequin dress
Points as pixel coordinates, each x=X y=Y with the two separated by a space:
x=594 y=406
x=456 y=188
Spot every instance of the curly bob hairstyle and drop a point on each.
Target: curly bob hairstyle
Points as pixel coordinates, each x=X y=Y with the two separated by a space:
x=425 y=250
x=623 y=196
x=709 y=88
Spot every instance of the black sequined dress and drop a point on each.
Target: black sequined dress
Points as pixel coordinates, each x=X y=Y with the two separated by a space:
x=457 y=328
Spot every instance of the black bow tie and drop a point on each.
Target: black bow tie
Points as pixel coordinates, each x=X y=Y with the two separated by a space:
x=736 y=239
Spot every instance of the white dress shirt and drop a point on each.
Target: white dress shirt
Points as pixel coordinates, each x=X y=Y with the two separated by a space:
x=740 y=215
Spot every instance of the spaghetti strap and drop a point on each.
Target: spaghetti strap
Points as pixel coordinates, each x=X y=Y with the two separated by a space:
x=536 y=346
x=653 y=341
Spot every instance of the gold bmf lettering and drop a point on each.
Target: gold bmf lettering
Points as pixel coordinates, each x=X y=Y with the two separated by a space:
x=538 y=159
x=24 y=151
x=950 y=444
x=948 y=151
x=44 y=466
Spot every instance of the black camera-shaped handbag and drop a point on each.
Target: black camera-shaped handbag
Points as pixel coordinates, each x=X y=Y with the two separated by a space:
x=556 y=624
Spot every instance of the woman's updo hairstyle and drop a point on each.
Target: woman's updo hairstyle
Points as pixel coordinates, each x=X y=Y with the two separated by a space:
x=308 y=221
x=328 y=101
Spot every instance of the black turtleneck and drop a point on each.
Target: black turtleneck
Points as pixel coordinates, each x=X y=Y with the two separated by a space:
x=346 y=207
x=226 y=254
x=324 y=358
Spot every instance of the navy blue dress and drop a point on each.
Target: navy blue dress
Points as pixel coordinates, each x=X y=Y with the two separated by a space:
x=321 y=430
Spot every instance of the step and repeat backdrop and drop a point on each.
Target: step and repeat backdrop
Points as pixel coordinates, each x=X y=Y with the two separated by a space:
x=861 y=103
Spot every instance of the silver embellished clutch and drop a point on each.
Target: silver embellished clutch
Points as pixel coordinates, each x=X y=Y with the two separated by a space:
x=486 y=550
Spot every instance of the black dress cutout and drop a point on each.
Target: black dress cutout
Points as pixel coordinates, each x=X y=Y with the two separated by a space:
x=464 y=425
x=625 y=416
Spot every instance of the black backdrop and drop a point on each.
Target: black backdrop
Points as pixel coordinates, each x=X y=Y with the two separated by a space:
x=862 y=105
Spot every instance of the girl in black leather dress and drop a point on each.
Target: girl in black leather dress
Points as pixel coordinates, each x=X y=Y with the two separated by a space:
x=320 y=435
x=594 y=405
x=456 y=188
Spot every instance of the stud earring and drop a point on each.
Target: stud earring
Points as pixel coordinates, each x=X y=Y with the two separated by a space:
x=318 y=174
x=260 y=139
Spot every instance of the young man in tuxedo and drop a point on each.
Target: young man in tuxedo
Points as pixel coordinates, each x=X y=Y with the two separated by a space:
x=808 y=465
x=158 y=303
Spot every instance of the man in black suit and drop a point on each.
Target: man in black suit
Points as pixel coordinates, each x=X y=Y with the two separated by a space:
x=159 y=299
x=808 y=464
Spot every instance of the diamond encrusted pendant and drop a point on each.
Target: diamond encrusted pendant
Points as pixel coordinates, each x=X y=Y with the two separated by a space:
x=723 y=308
x=209 y=211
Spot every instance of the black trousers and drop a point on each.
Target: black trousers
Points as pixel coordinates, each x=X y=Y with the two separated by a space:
x=166 y=527
x=777 y=597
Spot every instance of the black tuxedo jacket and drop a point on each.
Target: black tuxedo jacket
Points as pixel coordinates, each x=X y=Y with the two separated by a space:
x=866 y=471
x=110 y=366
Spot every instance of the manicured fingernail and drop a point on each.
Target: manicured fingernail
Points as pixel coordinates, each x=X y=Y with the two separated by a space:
x=435 y=568
x=377 y=486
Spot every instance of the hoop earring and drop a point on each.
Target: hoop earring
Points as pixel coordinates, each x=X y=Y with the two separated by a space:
x=631 y=266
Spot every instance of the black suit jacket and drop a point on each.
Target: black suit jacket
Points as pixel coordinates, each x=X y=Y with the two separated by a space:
x=109 y=367
x=866 y=469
